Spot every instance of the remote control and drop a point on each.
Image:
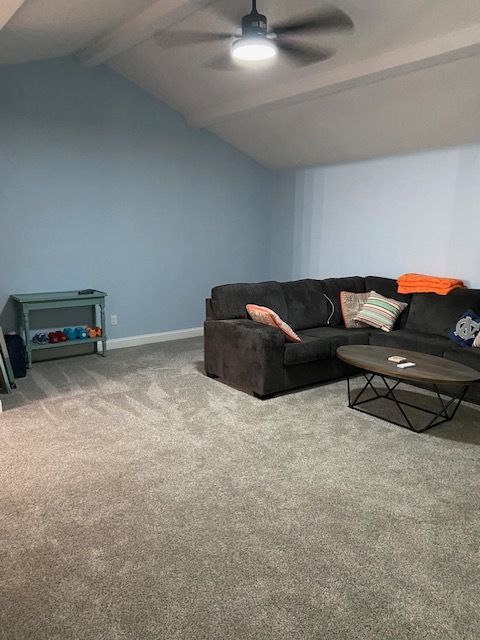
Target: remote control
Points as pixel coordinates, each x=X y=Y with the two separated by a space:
x=86 y=292
x=406 y=365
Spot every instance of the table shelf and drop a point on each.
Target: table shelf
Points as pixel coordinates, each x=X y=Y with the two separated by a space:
x=29 y=302
x=66 y=343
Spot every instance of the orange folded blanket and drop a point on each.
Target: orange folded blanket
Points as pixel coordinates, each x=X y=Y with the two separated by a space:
x=419 y=283
x=426 y=289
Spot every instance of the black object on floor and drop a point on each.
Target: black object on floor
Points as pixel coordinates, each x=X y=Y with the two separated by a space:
x=18 y=355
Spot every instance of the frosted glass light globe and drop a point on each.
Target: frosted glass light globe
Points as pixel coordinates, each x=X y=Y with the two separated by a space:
x=253 y=49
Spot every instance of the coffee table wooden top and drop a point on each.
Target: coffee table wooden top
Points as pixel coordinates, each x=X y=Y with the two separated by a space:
x=430 y=369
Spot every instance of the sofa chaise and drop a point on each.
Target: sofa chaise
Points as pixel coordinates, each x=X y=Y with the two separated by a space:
x=256 y=358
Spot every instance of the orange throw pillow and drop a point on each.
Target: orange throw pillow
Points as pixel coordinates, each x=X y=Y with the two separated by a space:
x=264 y=315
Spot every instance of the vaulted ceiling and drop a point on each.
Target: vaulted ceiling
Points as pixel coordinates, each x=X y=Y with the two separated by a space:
x=406 y=79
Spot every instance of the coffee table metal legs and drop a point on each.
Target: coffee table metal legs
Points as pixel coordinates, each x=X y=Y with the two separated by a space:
x=445 y=412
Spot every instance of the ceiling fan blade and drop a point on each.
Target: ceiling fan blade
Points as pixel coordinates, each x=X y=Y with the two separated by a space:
x=329 y=19
x=170 y=39
x=223 y=62
x=302 y=55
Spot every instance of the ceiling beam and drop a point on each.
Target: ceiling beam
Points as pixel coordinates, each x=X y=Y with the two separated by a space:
x=161 y=15
x=449 y=47
x=8 y=8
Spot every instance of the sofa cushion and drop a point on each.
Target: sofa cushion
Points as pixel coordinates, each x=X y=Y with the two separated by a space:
x=466 y=329
x=433 y=313
x=310 y=349
x=229 y=301
x=332 y=287
x=341 y=335
x=389 y=288
x=264 y=315
x=321 y=343
x=307 y=306
x=380 y=312
x=469 y=357
x=413 y=340
x=351 y=304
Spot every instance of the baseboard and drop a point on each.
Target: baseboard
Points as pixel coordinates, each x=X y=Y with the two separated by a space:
x=152 y=338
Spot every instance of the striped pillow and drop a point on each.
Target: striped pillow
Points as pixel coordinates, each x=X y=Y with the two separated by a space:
x=380 y=312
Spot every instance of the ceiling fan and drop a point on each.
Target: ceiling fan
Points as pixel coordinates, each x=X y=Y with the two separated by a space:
x=258 y=42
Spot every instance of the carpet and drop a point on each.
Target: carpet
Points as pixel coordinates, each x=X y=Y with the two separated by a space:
x=141 y=500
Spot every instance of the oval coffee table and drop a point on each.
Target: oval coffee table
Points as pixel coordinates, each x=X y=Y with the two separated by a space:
x=431 y=370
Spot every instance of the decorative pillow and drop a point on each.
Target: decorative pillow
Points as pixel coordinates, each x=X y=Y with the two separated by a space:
x=380 y=312
x=351 y=303
x=264 y=315
x=467 y=330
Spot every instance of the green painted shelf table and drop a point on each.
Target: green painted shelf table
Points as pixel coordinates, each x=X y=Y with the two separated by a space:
x=27 y=302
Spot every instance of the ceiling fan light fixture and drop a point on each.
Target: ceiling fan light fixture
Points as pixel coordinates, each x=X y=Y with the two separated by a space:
x=254 y=49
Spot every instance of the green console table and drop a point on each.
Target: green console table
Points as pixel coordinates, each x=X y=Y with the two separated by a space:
x=27 y=302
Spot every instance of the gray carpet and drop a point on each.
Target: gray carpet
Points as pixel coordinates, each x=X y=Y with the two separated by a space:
x=141 y=500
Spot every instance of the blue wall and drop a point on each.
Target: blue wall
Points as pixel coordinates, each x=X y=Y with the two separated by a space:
x=387 y=216
x=103 y=186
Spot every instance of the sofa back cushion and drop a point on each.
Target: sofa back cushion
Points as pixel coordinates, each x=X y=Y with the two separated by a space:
x=433 y=313
x=229 y=301
x=307 y=306
x=332 y=287
x=389 y=288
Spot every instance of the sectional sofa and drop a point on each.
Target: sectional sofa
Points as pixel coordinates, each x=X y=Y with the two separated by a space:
x=256 y=358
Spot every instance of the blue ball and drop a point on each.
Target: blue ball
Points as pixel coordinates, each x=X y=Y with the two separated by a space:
x=81 y=333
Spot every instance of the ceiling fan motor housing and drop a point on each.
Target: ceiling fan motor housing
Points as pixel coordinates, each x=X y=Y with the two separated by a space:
x=254 y=24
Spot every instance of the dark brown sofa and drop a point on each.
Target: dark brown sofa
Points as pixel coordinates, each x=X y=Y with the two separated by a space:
x=257 y=359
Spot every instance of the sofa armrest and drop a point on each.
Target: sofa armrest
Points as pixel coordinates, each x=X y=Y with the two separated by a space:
x=245 y=353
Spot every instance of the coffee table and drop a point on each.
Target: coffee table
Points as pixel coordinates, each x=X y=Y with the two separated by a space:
x=430 y=370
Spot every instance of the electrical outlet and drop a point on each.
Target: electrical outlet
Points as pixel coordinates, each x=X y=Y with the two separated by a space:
x=114 y=319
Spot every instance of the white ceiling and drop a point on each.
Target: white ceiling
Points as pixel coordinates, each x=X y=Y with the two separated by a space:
x=50 y=28
x=406 y=79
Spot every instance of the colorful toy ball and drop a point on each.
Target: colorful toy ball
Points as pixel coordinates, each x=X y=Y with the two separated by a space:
x=40 y=338
x=94 y=332
x=70 y=333
x=53 y=337
x=91 y=332
x=81 y=333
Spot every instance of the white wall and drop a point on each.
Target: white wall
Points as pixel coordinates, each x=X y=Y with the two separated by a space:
x=382 y=217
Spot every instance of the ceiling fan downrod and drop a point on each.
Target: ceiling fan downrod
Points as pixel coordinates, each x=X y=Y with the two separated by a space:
x=254 y=24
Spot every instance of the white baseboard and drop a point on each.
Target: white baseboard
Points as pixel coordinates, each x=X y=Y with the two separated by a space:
x=152 y=338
